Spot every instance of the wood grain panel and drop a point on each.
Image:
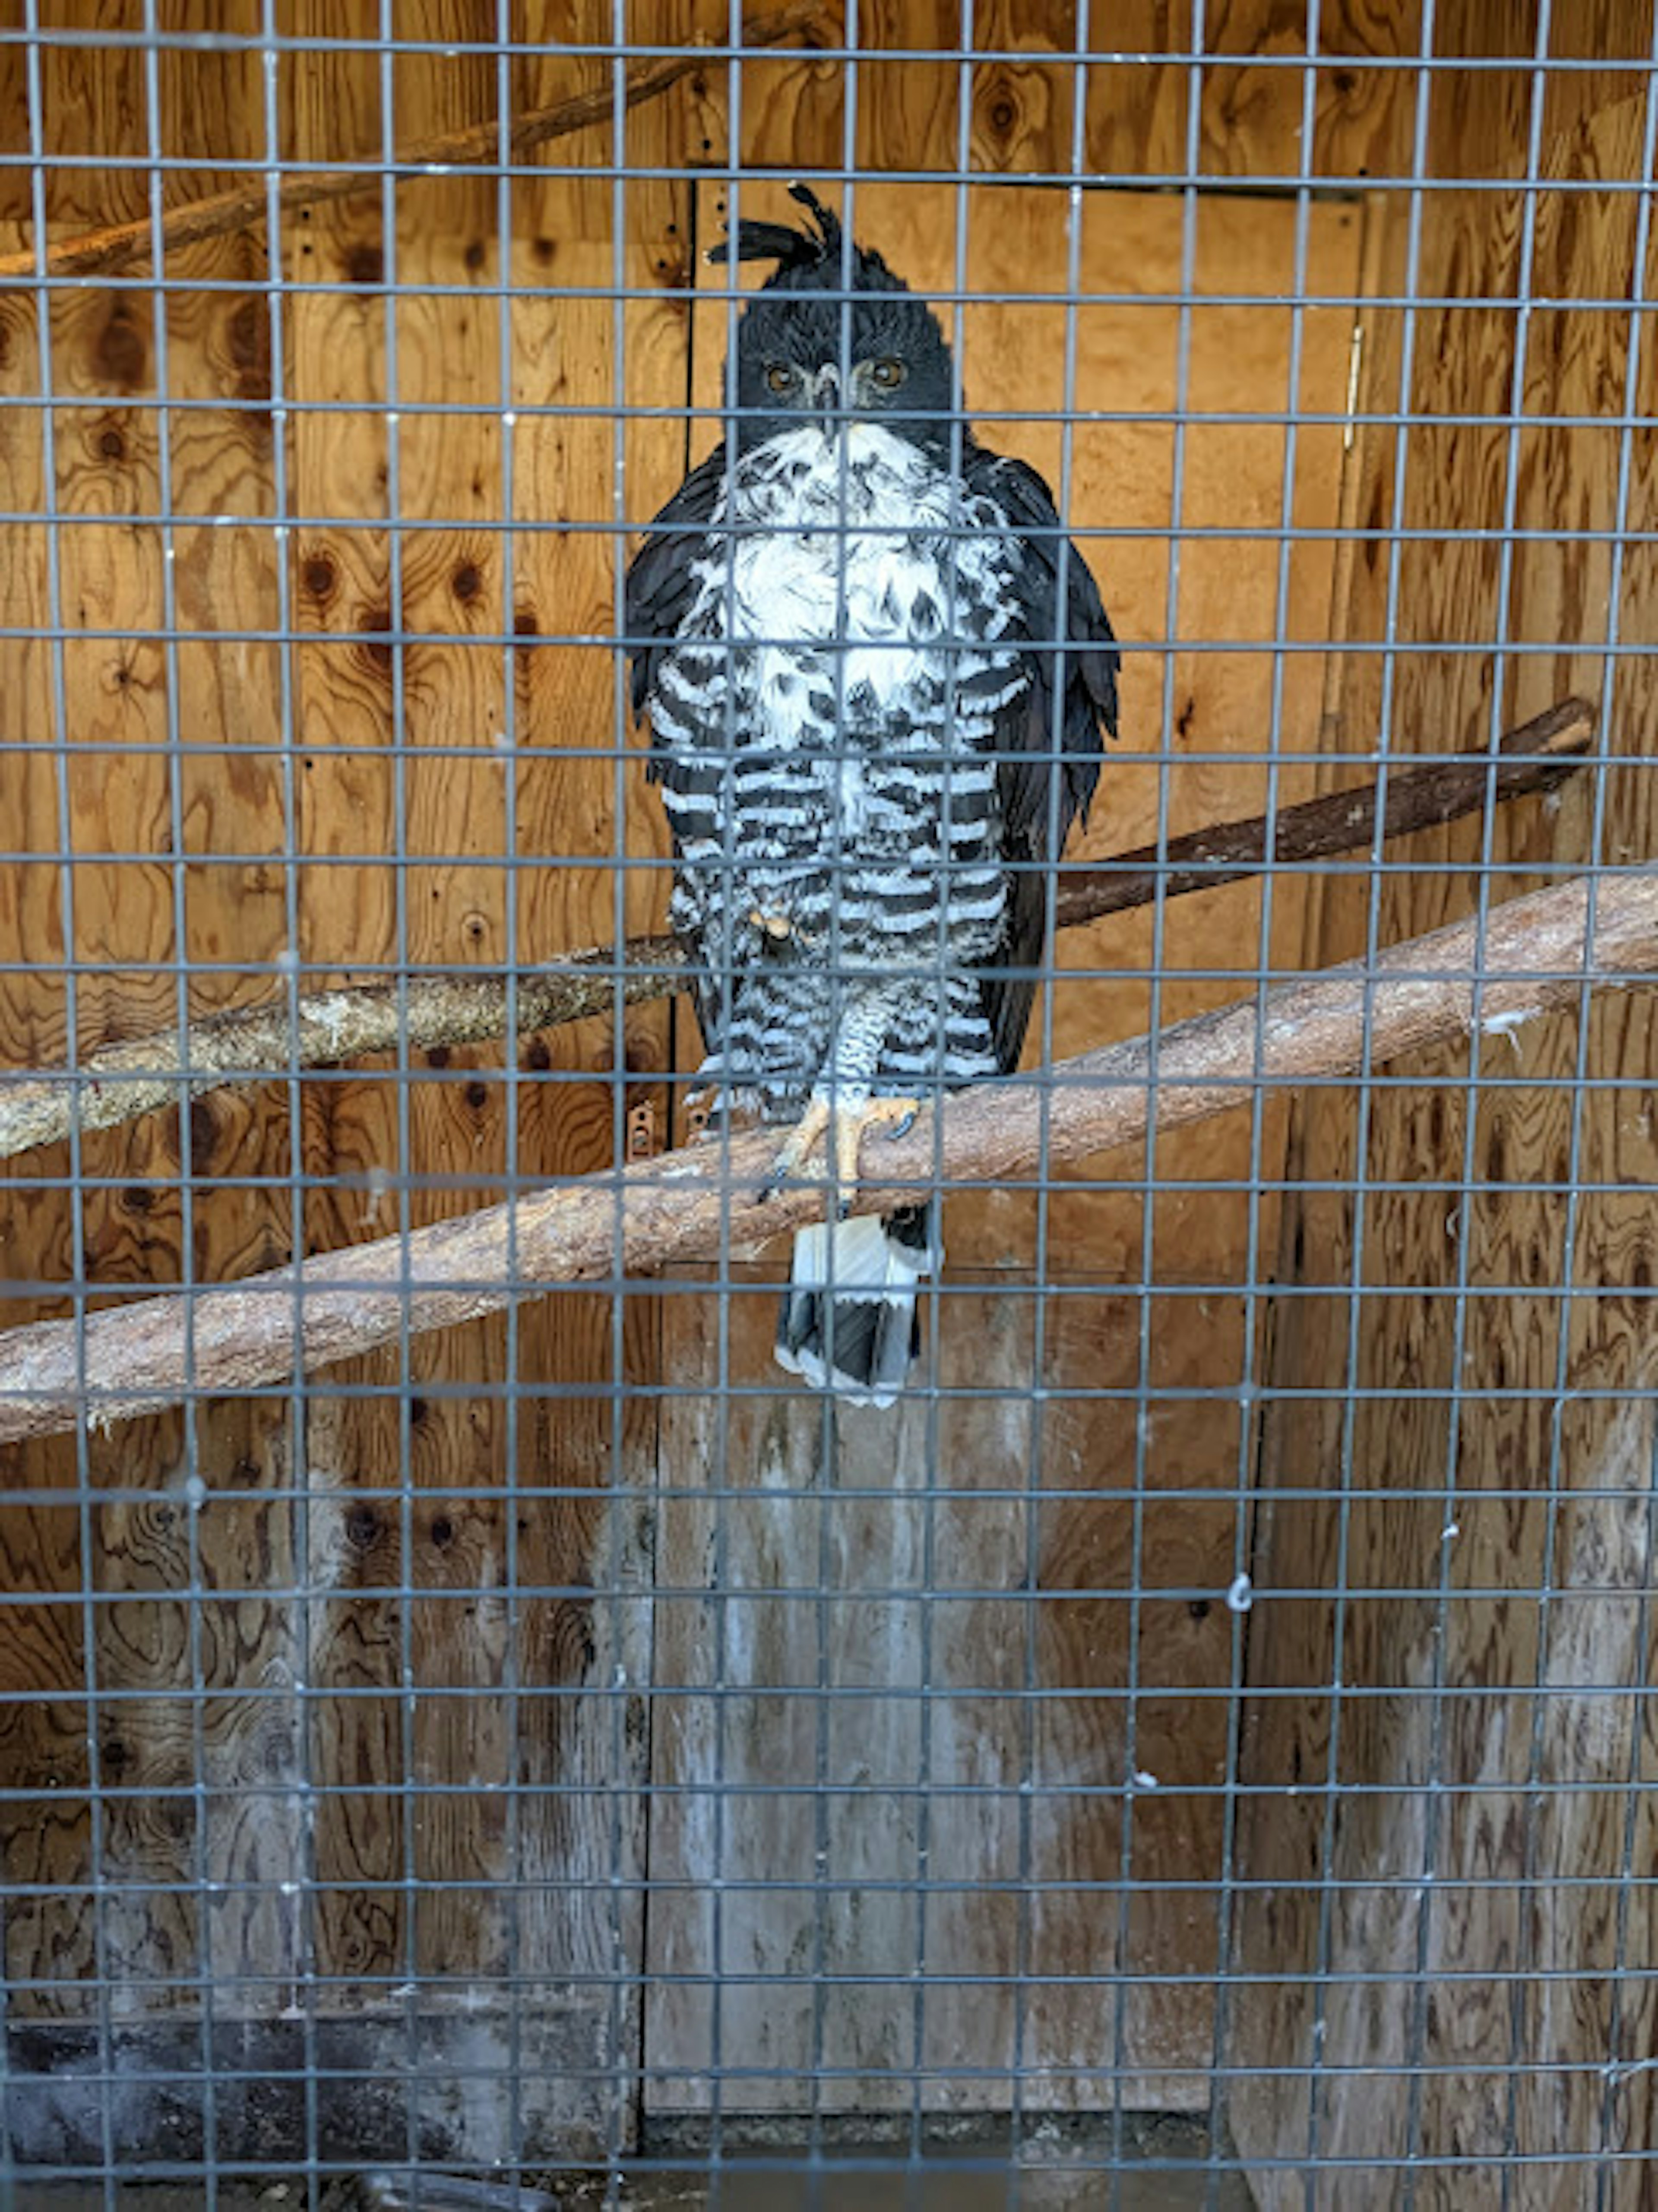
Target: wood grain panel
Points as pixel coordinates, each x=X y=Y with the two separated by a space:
x=110 y=472
x=503 y=1436
x=842 y=1634
x=342 y=674
x=248 y=1828
x=422 y=1501
x=585 y=1445
x=1021 y=114
x=451 y=777
x=1503 y=1699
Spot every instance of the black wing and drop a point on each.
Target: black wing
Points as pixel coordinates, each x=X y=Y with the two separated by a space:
x=1056 y=722
x=660 y=586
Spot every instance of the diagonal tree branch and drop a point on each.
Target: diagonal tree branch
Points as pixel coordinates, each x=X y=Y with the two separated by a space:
x=101 y=252
x=1531 y=954
x=1534 y=756
x=262 y=1043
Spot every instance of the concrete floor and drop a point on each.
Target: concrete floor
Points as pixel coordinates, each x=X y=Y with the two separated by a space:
x=1076 y=2175
x=1127 y=2192
x=1072 y=2172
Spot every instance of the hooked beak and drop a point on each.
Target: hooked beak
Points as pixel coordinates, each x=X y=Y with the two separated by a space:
x=826 y=399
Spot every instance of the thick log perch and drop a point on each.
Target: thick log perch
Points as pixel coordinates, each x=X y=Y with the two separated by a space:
x=1532 y=953
x=101 y=252
x=258 y=1044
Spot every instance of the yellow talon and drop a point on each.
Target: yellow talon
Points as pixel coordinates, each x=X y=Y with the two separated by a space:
x=801 y=1142
x=850 y=1123
x=896 y=1114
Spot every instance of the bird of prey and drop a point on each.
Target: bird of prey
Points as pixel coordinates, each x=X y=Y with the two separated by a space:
x=846 y=628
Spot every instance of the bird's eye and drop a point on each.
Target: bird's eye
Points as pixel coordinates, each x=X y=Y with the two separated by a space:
x=888 y=374
x=780 y=376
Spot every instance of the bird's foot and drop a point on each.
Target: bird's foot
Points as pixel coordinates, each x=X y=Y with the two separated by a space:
x=894 y=1115
x=801 y=1142
x=899 y=1113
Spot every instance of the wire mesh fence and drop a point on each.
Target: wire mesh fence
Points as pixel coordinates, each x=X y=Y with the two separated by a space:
x=476 y=1730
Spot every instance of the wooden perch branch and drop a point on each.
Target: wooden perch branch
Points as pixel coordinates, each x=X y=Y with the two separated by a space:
x=1533 y=953
x=1534 y=756
x=101 y=252
x=257 y=1043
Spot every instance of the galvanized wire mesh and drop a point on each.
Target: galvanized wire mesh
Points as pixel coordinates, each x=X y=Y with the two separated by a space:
x=1197 y=1751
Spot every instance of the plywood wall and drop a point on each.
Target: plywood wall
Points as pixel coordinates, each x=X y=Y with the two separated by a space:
x=357 y=1557
x=1439 y=1841
x=422 y=1642
x=400 y=1582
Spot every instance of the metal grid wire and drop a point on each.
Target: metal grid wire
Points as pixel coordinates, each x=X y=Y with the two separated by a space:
x=1195 y=1751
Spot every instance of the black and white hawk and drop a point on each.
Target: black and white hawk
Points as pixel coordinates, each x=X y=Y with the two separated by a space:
x=846 y=628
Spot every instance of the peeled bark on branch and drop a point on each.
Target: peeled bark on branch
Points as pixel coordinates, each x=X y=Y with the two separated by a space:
x=1528 y=955
x=261 y=1043
x=101 y=252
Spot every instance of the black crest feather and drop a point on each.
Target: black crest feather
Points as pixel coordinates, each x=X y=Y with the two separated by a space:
x=780 y=242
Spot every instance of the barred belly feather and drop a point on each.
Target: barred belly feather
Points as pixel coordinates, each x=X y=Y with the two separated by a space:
x=828 y=716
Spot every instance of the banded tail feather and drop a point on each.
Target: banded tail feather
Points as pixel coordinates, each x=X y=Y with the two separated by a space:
x=848 y=1321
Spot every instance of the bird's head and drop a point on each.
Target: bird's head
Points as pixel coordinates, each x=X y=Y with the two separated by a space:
x=833 y=338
